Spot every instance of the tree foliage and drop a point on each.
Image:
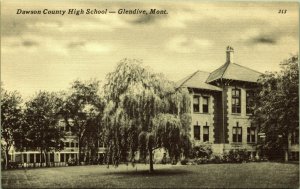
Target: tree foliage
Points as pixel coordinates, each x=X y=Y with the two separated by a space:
x=82 y=111
x=276 y=105
x=143 y=113
x=41 y=116
x=11 y=120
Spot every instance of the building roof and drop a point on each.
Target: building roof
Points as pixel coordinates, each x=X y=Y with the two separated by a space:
x=229 y=70
x=197 y=80
x=234 y=72
x=201 y=79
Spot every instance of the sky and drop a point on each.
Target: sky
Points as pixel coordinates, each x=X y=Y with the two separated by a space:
x=49 y=51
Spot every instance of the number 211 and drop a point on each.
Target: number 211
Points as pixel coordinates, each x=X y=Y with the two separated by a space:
x=282 y=11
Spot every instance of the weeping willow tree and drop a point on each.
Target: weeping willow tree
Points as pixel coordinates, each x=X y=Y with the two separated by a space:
x=144 y=112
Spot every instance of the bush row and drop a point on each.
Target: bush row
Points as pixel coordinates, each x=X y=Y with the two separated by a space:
x=218 y=159
x=203 y=154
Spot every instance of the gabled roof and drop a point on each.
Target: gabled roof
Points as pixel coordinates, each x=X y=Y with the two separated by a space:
x=197 y=80
x=234 y=72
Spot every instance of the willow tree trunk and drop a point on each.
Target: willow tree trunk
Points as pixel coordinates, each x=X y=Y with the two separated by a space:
x=286 y=155
x=150 y=161
x=46 y=159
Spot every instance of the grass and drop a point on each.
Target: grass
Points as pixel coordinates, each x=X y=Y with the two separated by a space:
x=246 y=175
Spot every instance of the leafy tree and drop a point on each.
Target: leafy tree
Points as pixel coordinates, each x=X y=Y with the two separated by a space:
x=11 y=121
x=276 y=107
x=82 y=110
x=144 y=112
x=41 y=115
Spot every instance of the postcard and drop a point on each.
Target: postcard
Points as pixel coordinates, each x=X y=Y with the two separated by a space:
x=149 y=94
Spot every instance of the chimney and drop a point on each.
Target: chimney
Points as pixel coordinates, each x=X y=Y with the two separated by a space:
x=229 y=54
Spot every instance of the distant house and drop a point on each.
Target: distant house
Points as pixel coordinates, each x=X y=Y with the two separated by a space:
x=221 y=102
x=69 y=152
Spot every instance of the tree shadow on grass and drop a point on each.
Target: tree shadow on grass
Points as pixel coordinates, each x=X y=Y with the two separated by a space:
x=158 y=172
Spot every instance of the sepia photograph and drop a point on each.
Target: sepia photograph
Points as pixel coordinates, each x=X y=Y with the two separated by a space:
x=149 y=94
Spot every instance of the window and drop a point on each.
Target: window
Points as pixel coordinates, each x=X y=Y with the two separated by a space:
x=205 y=105
x=76 y=145
x=31 y=158
x=62 y=156
x=100 y=143
x=236 y=100
x=196 y=104
x=61 y=125
x=197 y=132
x=237 y=134
x=37 y=158
x=25 y=158
x=249 y=102
x=52 y=157
x=295 y=137
x=72 y=145
x=67 y=144
x=205 y=133
x=251 y=134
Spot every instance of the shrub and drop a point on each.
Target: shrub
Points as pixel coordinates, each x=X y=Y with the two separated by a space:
x=203 y=154
x=198 y=161
x=184 y=162
x=12 y=165
x=201 y=151
x=216 y=158
x=71 y=162
x=236 y=156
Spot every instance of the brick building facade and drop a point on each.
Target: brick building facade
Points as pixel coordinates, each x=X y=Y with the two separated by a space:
x=221 y=107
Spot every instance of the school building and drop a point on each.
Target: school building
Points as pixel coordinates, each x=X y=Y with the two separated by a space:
x=221 y=108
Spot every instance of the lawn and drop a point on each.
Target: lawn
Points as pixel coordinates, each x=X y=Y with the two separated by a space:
x=246 y=175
